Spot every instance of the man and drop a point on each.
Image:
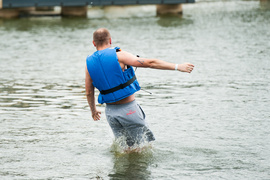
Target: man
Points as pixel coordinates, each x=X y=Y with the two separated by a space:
x=110 y=71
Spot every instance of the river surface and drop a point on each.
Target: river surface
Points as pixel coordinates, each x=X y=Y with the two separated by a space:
x=211 y=124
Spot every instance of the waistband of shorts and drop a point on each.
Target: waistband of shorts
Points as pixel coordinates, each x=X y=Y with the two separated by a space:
x=121 y=105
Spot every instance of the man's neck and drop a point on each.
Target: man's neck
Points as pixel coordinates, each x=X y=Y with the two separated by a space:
x=99 y=48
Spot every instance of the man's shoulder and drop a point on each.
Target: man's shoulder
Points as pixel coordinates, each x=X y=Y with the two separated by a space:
x=89 y=56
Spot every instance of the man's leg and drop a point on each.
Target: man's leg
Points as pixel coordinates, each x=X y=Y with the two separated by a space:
x=133 y=120
x=128 y=120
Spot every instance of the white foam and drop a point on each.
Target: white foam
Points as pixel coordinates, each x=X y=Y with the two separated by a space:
x=120 y=147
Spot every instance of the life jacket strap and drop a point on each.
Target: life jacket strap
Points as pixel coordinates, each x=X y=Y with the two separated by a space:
x=121 y=86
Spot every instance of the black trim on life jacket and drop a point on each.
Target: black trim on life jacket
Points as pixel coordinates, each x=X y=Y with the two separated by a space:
x=121 y=86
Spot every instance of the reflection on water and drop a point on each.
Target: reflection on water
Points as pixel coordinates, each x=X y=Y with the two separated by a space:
x=210 y=124
x=174 y=21
x=132 y=165
x=33 y=96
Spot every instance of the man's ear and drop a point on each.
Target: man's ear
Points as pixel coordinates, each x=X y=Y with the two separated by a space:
x=94 y=43
x=110 y=40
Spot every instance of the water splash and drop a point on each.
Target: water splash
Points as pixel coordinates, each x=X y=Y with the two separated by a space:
x=120 y=146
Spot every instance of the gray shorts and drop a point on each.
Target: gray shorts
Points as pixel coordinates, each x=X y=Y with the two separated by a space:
x=128 y=122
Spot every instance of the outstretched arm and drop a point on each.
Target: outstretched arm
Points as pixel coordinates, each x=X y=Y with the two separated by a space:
x=90 y=94
x=130 y=59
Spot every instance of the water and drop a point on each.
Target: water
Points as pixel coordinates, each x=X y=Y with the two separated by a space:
x=210 y=124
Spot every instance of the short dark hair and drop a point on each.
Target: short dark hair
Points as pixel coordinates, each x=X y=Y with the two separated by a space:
x=101 y=36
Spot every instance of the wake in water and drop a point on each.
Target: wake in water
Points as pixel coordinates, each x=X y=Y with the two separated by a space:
x=120 y=146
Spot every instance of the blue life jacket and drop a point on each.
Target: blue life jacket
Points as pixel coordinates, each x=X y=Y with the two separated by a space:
x=109 y=78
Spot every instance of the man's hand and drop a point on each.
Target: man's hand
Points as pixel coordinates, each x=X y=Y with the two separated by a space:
x=96 y=115
x=186 y=67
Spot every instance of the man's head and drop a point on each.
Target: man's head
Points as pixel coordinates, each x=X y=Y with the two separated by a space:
x=101 y=37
